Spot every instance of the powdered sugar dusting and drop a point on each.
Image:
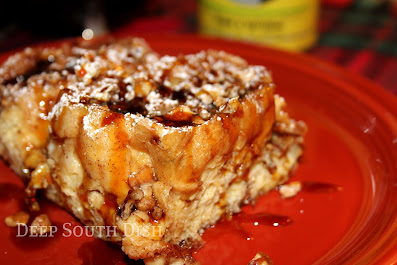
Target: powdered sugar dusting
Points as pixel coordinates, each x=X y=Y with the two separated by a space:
x=128 y=77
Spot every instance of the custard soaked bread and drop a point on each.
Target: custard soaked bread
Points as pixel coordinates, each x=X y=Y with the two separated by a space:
x=160 y=147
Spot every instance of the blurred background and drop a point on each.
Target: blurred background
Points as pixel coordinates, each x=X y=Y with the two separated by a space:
x=360 y=35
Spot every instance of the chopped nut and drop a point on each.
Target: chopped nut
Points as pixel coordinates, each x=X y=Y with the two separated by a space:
x=219 y=101
x=290 y=190
x=181 y=113
x=261 y=259
x=40 y=225
x=147 y=203
x=136 y=194
x=40 y=176
x=157 y=213
x=92 y=71
x=143 y=88
x=17 y=219
x=127 y=209
x=205 y=114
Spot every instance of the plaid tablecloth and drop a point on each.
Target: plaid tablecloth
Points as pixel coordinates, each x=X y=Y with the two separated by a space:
x=361 y=40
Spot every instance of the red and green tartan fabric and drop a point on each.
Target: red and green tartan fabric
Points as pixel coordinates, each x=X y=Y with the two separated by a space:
x=361 y=3
x=360 y=38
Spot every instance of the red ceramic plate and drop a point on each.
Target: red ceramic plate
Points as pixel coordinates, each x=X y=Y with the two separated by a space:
x=351 y=143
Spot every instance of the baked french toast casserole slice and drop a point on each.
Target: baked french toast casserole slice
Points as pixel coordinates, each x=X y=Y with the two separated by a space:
x=161 y=147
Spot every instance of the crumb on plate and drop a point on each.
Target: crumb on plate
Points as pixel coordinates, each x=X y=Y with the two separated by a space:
x=19 y=218
x=290 y=190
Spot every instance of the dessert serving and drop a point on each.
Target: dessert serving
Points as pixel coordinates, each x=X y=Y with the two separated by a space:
x=160 y=147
